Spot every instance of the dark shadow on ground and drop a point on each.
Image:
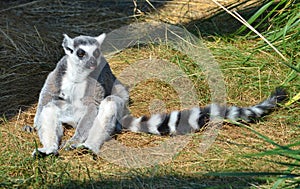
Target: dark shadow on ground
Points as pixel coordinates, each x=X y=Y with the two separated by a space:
x=167 y=182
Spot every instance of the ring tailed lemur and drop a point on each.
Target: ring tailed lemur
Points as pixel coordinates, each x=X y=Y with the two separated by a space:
x=83 y=92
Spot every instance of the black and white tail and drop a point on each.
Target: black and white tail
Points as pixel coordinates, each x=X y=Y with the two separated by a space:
x=192 y=120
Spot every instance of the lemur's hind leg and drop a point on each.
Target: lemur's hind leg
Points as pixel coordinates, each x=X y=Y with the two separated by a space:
x=49 y=129
x=83 y=128
x=105 y=123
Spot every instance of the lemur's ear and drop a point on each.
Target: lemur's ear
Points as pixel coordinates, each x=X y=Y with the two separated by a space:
x=100 y=38
x=68 y=44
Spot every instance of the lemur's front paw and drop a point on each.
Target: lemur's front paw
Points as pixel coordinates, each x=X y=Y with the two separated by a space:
x=82 y=149
x=70 y=145
x=91 y=148
x=43 y=152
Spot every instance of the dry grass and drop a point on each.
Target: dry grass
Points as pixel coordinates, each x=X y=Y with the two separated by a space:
x=249 y=78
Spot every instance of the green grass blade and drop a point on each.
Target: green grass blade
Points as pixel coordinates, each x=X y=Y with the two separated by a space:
x=280 y=180
x=255 y=16
x=294 y=165
x=270 y=13
x=287 y=148
x=258 y=134
x=282 y=152
x=291 y=154
x=278 y=183
x=294 y=99
x=292 y=75
x=281 y=33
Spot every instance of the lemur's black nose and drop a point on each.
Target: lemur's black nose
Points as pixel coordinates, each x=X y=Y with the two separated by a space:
x=91 y=63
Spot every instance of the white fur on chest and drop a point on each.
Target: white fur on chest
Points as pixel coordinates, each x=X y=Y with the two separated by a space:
x=73 y=94
x=72 y=91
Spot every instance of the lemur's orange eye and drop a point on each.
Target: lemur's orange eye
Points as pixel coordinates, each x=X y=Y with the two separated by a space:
x=80 y=53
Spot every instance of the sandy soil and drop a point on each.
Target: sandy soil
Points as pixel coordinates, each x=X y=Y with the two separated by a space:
x=185 y=11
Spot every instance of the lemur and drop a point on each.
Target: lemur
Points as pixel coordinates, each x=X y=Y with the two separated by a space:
x=83 y=92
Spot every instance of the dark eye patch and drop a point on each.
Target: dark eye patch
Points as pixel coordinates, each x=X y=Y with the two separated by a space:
x=96 y=53
x=69 y=49
x=80 y=53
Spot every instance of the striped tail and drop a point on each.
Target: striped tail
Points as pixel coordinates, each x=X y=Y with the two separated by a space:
x=192 y=120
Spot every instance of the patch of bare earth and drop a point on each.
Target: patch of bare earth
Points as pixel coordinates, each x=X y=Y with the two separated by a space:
x=186 y=11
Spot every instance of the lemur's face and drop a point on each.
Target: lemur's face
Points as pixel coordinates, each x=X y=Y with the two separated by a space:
x=84 y=50
x=87 y=55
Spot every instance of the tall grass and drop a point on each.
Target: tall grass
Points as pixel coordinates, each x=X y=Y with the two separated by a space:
x=279 y=25
x=281 y=28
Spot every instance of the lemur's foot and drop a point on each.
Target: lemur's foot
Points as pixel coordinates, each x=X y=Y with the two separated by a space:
x=70 y=145
x=44 y=152
x=76 y=144
x=82 y=149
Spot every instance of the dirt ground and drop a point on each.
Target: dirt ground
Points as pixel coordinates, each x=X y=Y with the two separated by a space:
x=182 y=12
